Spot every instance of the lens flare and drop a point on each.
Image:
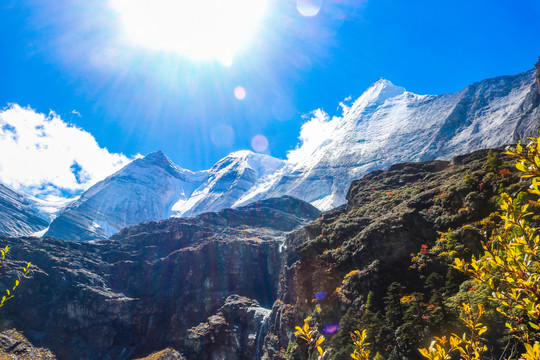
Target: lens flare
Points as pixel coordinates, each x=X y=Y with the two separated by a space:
x=240 y=93
x=259 y=143
x=202 y=29
x=321 y=295
x=309 y=7
x=330 y=328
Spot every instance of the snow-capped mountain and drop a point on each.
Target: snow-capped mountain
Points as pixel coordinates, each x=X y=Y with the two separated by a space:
x=386 y=125
x=228 y=181
x=146 y=189
x=19 y=214
x=153 y=188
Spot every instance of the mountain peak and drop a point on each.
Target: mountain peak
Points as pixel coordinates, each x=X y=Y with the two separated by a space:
x=157 y=158
x=252 y=159
x=382 y=81
x=381 y=90
x=160 y=160
x=240 y=154
x=156 y=155
x=248 y=154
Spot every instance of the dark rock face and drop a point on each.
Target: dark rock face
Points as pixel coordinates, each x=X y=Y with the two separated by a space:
x=528 y=113
x=142 y=290
x=537 y=77
x=14 y=346
x=366 y=245
x=234 y=333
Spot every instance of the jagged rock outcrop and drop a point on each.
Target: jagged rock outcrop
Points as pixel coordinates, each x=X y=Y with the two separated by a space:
x=234 y=333
x=169 y=283
x=142 y=290
x=15 y=346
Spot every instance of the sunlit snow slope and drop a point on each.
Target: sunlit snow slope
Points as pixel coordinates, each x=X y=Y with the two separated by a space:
x=146 y=189
x=388 y=125
x=19 y=214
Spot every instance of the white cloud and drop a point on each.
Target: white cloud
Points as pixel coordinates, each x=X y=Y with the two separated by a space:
x=345 y=104
x=42 y=155
x=313 y=134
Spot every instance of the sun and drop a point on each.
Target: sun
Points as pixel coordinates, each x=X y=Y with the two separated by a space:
x=198 y=29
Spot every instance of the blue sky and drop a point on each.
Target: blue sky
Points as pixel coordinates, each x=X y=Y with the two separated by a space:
x=69 y=57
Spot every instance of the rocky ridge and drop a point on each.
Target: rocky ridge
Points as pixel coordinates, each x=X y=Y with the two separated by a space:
x=143 y=289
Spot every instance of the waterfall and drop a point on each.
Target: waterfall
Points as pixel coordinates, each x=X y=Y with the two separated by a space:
x=260 y=334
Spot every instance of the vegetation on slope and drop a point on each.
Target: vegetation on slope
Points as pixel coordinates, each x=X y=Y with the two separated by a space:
x=362 y=280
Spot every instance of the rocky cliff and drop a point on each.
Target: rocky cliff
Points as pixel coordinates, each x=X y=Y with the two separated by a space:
x=15 y=346
x=386 y=244
x=142 y=290
x=205 y=285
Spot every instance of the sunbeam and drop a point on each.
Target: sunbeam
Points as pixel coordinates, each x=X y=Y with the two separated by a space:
x=204 y=29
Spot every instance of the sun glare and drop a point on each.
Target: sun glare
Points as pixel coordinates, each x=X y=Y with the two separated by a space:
x=199 y=29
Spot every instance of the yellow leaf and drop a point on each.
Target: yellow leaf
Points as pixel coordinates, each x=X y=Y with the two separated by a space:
x=424 y=352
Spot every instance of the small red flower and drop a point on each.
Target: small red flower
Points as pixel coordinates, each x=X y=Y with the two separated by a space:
x=504 y=172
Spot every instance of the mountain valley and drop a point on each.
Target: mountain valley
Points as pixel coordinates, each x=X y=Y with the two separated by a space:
x=357 y=228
